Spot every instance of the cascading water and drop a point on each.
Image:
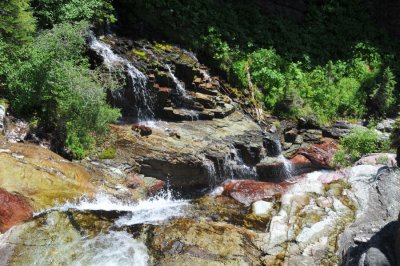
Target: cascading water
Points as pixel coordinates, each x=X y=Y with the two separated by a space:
x=230 y=167
x=180 y=87
x=287 y=165
x=154 y=210
x=114 y=248
x=137 y=80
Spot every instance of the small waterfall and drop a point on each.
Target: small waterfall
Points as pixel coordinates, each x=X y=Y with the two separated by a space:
x=230 y=167
x=235 y=168
x=180 y=87
x=287 y=169
x=138 y=81
x=206 y=76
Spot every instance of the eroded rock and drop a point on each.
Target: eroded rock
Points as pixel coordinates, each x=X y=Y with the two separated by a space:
x=13 y=210
x=187 y=242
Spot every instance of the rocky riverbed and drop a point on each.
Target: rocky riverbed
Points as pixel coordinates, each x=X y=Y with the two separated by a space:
x=196 y=179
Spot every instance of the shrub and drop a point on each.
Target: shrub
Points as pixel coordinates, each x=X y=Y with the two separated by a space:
x=358 y=143
x=54 y=84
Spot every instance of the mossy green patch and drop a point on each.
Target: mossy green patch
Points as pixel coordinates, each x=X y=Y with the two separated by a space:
x=109 y=153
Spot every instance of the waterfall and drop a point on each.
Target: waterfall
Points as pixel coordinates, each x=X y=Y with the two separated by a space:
x=180 y=87
x=235 y=168
x=231 y=166
x=138 y=81
x=287 y=169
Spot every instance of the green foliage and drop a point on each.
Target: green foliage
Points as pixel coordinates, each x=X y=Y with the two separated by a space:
x=52 y=12
x=16 y=21
x=382 y=95
x=109 y=153
x=358 y=143
x=333 y=64
x=55 y=84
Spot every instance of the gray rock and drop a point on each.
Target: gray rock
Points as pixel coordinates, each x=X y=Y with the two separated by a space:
x=334 y=132
x=375 y=257
x=386 y=125
x=376 y=222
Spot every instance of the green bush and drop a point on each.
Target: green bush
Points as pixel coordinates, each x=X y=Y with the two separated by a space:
x=358 y=143
x=54 y=84
x=52 y=12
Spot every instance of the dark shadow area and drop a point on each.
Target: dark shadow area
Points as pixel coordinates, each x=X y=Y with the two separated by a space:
x=381 y=245
x=320 y=30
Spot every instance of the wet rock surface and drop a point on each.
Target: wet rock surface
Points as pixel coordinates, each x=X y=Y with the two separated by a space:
x=187 y=242
x=194 y=153
x=255 y=211
x=13 y=210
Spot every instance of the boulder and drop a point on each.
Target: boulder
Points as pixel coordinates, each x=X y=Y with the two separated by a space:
x=312 y=135
x=188 y=242
x=320 y=155
x=386 y=125
x=301 y=165
x=371 y=238
x=272 y=169
x=142 y=130
x=13 y=210
x=335 y=133
x=249 y=191
x=388 y=159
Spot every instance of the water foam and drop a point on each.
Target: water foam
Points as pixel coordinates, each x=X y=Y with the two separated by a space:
x=114 y=248
x=154 y=210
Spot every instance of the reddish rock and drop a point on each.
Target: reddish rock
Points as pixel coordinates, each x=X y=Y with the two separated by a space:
x=156 y=188
x=13 y=210
x=142 y=130
x=320 y=155
x=301 y=165
x=249 y=191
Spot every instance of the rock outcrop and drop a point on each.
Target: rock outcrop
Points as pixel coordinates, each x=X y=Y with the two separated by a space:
x=194 y=154
x=370 y=240
x=41 y=176
x=13 y=210
x=187 y=242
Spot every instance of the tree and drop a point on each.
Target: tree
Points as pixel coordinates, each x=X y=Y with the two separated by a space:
x=55 y=85
x=16 y=21
x=51 y=12
x=382 y=96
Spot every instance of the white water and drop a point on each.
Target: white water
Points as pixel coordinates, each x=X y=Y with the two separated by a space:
x=180 y=87
x=230 y=168
x=154 y=210
x=112 y=249
x=235 y=168
x=143 y=101
x=206 y=76
x=287 y=166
